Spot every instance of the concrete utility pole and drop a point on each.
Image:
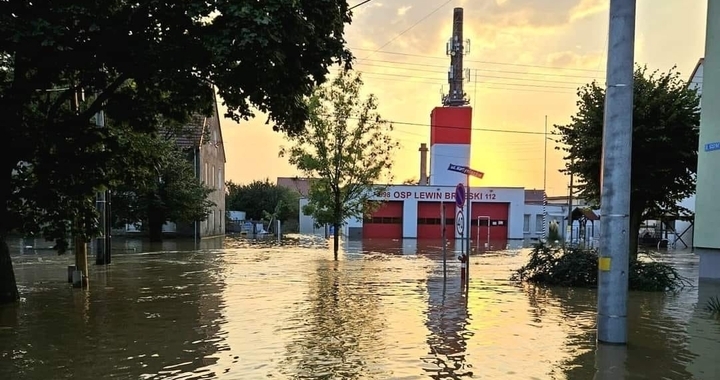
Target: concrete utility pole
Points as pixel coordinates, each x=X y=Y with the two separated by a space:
x=617 y=152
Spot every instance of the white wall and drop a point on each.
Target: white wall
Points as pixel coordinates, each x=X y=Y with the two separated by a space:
x=411 y=195
x=532 y=219
x=681 y=226
x=441 y=156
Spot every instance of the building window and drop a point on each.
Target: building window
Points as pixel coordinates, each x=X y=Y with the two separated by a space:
x=207 y=173
x=382 y=220
x=526 y=223
x=539 y=223
x=220 y=182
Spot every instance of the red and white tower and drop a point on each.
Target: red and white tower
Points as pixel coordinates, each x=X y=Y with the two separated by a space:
x=451 y=124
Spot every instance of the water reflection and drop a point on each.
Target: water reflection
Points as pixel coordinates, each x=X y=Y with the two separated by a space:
x=447 y=322
x=138 y=323
x=336 y=332
x=259 y=309
x=658 y=342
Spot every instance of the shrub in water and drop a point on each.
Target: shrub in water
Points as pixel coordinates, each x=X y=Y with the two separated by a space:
x=577 y=267
x=713 y=305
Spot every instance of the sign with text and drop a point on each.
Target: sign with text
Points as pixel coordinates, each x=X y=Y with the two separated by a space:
x=712 y=146
x=389 y=195
x=459 y=195
x=466 y=170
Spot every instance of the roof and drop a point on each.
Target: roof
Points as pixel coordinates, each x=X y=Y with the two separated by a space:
x=534 y=196
x=586 y=213
x=701 y=61
x=191 y=135
x=299 y=184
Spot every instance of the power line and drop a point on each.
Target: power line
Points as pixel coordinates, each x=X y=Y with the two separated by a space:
x=406 y=30
x=481 y=76
x=395 y=122
x=475 y=61
x=415 y=64
x=359 y=4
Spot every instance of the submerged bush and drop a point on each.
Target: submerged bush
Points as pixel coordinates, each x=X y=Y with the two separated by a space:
x=578 y=267
x=713 y=305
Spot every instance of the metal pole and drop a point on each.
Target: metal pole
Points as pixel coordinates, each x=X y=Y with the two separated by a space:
x=468 y=220
x=100 y=204
x=617 y=153
x=444 y=243
x=545 y=138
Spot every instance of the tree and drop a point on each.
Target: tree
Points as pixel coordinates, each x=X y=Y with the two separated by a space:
x=346 y=149
x=259 y=198
x=62 y=62
x=666 y=119
x=411 y=181
x=168 y=192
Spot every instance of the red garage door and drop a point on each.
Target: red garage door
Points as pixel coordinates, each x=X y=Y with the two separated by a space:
x=385 y=222
x=492 y=216
x=429 y=224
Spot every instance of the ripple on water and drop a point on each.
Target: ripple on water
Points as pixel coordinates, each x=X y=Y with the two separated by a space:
x=259 y=310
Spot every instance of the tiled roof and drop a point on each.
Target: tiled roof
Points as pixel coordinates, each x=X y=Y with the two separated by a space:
x=190 y=135
x=534 y=196
x=301 y=185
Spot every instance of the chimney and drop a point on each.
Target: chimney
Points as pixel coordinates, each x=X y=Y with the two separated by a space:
x=423 y=165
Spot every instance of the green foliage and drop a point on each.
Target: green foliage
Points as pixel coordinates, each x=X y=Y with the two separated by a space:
x=713 y=305
x=261 y=199
x=554 y=232
x=346 y=149
x=123 y=57
x=576 y=267
x=164 y=187
x=142 y=62
x=664 y=151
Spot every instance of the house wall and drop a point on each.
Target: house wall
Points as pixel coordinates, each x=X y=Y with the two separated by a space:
x=211 y=161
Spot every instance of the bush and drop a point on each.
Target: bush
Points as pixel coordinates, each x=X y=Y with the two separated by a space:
x=713 y=305
x=577 y=267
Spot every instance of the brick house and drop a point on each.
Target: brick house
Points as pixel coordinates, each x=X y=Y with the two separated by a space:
x=202 y=139
x=207 y=152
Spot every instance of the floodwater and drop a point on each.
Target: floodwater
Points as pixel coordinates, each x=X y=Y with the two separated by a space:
x=236 y=310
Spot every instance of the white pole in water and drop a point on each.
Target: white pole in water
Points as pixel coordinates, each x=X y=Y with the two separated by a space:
x=614 y=249
x=279 y=235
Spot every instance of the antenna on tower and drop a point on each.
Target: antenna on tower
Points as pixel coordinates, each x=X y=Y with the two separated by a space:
x=455 y=48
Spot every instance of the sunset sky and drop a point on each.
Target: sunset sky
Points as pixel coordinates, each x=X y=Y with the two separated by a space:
x=528 y=56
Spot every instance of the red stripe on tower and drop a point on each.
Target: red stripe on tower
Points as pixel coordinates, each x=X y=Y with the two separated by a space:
x=451 y=125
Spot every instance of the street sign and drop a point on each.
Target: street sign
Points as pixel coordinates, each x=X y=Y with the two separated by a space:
x=465 y=170
x=459 y=195
x=712 y=146
x=460 y=222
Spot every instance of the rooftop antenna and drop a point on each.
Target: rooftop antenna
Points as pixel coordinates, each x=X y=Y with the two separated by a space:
x=455 y=48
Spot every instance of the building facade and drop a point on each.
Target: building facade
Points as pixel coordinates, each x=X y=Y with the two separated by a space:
x=202 y=139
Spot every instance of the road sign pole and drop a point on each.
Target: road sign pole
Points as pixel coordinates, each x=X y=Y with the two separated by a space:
x=468 y=219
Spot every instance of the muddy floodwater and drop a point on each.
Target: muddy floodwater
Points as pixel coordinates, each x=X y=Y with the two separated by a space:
x=240 y=310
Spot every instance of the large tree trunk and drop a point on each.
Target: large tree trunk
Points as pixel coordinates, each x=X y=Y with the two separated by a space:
x=156 y=221
x=336 y=240
x=8 y=287
x=336 y=225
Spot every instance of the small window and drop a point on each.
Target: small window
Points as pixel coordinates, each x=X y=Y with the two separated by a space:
x=539 y=223
x=526 y=223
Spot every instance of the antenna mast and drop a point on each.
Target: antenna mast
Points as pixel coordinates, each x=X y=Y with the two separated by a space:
x=456 y=50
